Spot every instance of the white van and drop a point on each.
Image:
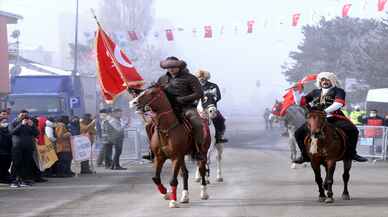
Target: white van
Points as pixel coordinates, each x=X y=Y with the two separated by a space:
x=377 y=99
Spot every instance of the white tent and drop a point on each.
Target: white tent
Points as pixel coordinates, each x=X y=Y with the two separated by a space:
x=377 y=95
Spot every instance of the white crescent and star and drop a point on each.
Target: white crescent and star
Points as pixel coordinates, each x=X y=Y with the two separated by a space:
x=120 y=59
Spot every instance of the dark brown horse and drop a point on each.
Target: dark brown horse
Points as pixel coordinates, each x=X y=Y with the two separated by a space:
x=326 y=145
x=171 y=139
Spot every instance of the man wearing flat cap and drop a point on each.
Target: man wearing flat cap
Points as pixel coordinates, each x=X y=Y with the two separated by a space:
x=183 y=91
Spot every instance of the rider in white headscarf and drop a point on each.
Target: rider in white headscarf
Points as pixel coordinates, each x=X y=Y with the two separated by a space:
x=329 y=98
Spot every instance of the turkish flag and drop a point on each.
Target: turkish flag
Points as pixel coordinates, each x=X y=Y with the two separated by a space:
x=115 y=71
x=133 y=36
x=294 y=95
x=346 y=9
x=381 y=5
x=295 y=19
x=250 y=26
x=169 y=35
x=208 y=32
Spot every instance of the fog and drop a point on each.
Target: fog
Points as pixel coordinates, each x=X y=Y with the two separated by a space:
x=236 y=61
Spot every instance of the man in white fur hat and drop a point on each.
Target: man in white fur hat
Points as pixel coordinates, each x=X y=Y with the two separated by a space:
x=331 y=98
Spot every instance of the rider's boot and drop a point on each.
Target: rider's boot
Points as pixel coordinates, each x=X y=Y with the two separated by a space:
x=359 y=158
x=302 y=159
x=150 y=156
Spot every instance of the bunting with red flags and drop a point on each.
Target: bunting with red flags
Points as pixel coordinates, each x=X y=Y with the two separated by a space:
x=381 y=5
x=208 y=32
x=295 y=19
x=346 y=9
x=169 y=35
x=133 y=36
x=116 y=72
x=250 y=26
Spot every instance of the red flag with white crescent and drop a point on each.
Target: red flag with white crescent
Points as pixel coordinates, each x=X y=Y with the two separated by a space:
x=116 y=72
x=295 y=19
x=208 y=32
x=250 y=26
x=169 y=35
x=346 y=9
x=381 y=5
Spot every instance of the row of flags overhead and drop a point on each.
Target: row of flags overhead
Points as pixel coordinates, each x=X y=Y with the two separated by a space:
x=208 y=30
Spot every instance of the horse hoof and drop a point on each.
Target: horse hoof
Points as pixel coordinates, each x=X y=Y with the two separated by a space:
x=345 y=197
x=204 y=196
x=197 y=179
x=173 y=204
x=329 y=200
x=185 y=197
x=220 y=179
x=166 y=196
x=322 y=199
x=293 y=166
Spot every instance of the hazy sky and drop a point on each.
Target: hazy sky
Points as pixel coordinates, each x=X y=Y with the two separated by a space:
x=236 y=61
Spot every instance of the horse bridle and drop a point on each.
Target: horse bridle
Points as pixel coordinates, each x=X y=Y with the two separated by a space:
x=158 y=116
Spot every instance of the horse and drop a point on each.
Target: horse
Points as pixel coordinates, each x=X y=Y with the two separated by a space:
x=171 y=138
x=326 y=144
x=208 y=110
x=294 y=117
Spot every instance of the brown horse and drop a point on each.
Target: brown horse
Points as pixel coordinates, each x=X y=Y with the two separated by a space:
x=326 y=145
x=171 y=139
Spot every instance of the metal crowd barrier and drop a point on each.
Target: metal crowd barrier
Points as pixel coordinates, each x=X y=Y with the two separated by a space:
x=372 y=142
x=135 y=144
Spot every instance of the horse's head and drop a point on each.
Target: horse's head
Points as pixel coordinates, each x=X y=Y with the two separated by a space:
x=315 y=121
x=209 y=105
x=151 y=97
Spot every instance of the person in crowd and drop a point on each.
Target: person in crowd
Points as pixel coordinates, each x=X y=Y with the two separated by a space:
x=386 y=120
x=39 y=123
x=63 y=145
x=23 y=133
x=5 y=150
x=356 y=115
x=102 y=138
x=50 y=139
x=266 y=115
x=373 y=119
x=114 y=131
x=88 y=128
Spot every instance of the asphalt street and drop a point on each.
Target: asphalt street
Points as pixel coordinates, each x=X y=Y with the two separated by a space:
x=258 y=181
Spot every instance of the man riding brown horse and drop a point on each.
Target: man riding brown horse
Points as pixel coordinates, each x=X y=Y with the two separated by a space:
x=331 y=99
x=183 y=91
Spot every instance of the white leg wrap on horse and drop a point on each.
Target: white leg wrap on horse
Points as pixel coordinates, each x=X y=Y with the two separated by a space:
x=185 y=196
x=204 y=194
x=173 y=204
x=220 y=148
x=197 y=175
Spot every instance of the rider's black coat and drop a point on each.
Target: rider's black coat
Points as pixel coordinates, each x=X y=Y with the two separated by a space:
x=315 y=100
x=183 y=90
x=212 y=89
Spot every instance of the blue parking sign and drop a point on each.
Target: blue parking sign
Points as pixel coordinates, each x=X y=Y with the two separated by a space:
x=75 y=102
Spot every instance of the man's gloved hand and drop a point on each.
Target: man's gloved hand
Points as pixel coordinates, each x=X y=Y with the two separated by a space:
x=181 y=100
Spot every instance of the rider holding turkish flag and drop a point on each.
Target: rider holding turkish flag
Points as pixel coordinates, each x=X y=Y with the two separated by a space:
x=331 y=99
